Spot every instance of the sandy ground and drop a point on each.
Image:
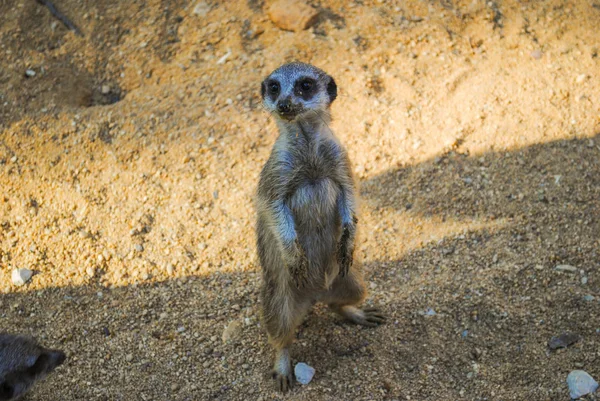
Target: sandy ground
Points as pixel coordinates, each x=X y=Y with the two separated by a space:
x=128 y=164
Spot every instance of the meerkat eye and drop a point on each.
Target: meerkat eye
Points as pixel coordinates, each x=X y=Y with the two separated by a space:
x=274 y=87
x=306 y=85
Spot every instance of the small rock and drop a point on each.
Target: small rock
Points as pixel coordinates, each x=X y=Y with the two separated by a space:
x=129 y=358
x=170 y=269
x=430 y=312
x=292 y=15
x=580 y=384
x=537 y=54
x=563 y=341
x=566 y=268
x=201 y=9
x=223 y=59
x=29 y=73
x=105 y=89
x=589 y=298
x=21 y=276
x=304 y=373
x=232 y=331
x=90 y=271
x=139 y=247
x=580 y=78
x=584 y=280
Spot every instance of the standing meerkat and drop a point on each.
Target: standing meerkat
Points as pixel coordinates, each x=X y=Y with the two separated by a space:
x=22 y=363
x=306 y=208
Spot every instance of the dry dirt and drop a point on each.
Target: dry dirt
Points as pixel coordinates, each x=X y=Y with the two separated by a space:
x=128 y=165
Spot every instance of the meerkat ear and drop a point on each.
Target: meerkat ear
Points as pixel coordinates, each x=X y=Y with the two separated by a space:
x=331 y=90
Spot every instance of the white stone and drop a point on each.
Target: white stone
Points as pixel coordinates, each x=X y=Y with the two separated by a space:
x=21 y=276
x=566 y=268
x=580 y=383
x=304 y=373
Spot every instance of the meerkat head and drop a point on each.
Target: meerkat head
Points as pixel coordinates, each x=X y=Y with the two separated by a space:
x=22 y=363
x=298 y=90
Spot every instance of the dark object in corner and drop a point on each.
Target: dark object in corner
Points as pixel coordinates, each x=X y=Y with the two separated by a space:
x=54 y=11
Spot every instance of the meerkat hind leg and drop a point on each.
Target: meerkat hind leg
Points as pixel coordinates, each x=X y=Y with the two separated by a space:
x=347 y=292
x=371 y=317
x=284 y=314
x=282 y=370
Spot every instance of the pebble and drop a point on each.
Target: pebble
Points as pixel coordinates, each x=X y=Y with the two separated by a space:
x=223 y=59
x=21 y=276
x=304 y=373
x=90 y=271
x=566 y=268
x=292 y=15
x=589 y=298
x=105 y=89
x=580 y=383
x=30 y=73
x=580 y=78
x=429 y=312
x=129 y=358
x=201 y=9
x=537 y=54
x=139 y=247
x=584 y=280
x=563 y=341
x=170 y=268
x=232 y=331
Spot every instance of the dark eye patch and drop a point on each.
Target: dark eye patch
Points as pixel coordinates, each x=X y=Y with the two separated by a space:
x=305 y=88
x=271 y=88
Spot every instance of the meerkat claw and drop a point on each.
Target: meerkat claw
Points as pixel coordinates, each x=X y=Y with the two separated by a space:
x=370 y=317
x=283 y=383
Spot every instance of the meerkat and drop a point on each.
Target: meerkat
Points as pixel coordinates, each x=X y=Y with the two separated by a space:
x=306 y=214
x=22 y=363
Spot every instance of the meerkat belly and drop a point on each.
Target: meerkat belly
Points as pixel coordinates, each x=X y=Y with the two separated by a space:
x=314 y=206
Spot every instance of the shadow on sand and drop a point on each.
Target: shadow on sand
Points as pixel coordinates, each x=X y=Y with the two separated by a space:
x=470 y=315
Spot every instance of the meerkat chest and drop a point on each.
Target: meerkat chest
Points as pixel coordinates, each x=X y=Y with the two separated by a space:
x=316 y=186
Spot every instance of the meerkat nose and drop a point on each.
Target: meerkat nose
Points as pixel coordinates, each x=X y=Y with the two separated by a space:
x=284 y=106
